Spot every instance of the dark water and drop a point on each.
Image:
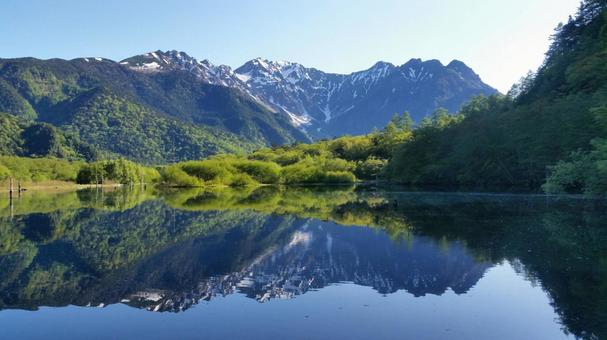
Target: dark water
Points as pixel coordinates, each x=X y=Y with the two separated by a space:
x=302 y=263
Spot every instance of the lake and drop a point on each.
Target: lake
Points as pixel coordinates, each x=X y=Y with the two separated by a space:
x=302 y=263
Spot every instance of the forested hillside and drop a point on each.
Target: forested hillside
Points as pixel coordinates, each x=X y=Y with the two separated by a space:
x=151 y=118
x=552 y=124
x=22 y=137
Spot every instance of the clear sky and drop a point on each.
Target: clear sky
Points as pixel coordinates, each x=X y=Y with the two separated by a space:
x=500 y=40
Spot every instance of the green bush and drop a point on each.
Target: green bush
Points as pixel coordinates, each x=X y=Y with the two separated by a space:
x=370 y=168
x=339 y=177
x=119 y=171
x=302 y=172
x=242 y=180
x=4 y=172
x=40 y=169
x=263 y=172
x=352 y=148
x=582 y=172
x=174 y=176
x=207 y=170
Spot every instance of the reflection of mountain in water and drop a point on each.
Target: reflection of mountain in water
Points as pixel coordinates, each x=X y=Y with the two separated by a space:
x=320 y=254
x=167 y=252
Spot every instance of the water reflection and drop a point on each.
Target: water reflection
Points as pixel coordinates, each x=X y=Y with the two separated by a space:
x=167 y=251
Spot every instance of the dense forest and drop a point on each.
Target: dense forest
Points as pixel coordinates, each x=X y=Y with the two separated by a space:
x=149 y=118
x=551 y=126
x=343 y=160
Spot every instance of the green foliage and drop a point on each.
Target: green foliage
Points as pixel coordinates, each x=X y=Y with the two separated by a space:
x=262 y=172
x=510 y=141
x=370 y=168
x=242 y=180
x=112 y=123
x=40 y=169
x=119 y=171
x=346 y=157
x=222 y=170
x=10 y=131
x=305 y=171
x=339 y=177
x=316 y=170
x=19 y=137
x=207 y=170
x=4 y=172
x=330 y=161
x=582 y=172
x=174 y=176
x=12 y=101
x=149 y=118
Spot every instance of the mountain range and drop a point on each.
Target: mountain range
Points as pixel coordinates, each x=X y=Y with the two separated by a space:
x=328 y=104
x=162 y=107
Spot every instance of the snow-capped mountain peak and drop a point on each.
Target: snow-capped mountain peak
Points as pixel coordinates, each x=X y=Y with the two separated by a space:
x=326 y=104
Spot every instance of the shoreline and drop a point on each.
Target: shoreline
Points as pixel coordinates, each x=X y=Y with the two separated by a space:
x=54 y=186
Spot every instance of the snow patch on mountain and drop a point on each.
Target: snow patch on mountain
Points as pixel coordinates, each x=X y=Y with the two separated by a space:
x=312 y=99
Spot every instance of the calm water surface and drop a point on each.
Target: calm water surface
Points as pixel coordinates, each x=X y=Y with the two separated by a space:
x=302 y=263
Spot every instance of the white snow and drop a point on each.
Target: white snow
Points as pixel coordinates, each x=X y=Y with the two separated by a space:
x=297 y=120
x=327 y=112
x=153 y=66
x=244 y=77
x=299 y=238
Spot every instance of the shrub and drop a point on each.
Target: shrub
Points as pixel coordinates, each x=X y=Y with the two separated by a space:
x=352 y=148
x=263 y=172
x=4 y=172
x=174 y=176
x=207 y=170
x=242 y=180
x=339 y=177
x=301 y=173
x=40 y=169
x=120 y=171
x=370 y=168
x=336 y=164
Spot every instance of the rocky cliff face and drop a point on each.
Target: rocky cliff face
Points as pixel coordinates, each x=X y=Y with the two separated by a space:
x=325 y=104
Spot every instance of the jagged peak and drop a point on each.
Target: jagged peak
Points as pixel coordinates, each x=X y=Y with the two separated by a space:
x=461 y=68
x=417 y=62
x=456 y=63
x=382 y=63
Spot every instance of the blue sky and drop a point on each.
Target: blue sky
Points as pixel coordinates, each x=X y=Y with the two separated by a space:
x=500 y=40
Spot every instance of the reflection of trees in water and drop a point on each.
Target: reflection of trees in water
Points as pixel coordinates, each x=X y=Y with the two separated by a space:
x=195 y=244
x=560 y=244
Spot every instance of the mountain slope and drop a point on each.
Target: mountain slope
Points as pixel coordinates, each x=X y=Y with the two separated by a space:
x=335 y=104
x=110 y=122
x=178 y=115
x=20 y=137
x=325 y=104
x=167 y=106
